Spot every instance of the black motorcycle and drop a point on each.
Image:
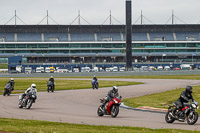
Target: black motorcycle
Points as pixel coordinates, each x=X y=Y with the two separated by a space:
x=50 y=86
x=26 y=100
x=186 y=113
x=7 y=89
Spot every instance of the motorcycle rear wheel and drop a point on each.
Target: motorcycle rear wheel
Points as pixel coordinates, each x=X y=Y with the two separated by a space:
x=191 y=120
x=100 y=112
x=97 y=86
x=114 y=111
x=48 y=89
x=168 y=118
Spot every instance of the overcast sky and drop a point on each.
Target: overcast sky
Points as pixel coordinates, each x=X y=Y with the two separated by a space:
x=96 y=11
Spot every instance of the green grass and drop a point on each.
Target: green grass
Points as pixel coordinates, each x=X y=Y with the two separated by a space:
x=62 y=84
x=161 y=100
x=34 y=126
x=3 y=66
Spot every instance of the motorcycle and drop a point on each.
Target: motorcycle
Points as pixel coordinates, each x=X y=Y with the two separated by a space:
x=187 y=113
x=95 y=84
x=111 y=107
x=7 y=89
x=26 y=100
x=50 y=86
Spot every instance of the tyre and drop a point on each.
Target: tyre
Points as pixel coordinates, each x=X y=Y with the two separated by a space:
x=114 y=111
x=93 y=87
x=48 y=89
x=52 y=89
x=20 y=104
x=97 y=86
x=192 y=118
x=4 y=92
x=99 y=111
x=29 y=104
x=168 y=117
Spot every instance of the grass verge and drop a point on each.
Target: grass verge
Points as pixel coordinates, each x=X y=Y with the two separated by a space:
x=160 y=100
x=35 y=126
x=62 y=84
x=192 y=77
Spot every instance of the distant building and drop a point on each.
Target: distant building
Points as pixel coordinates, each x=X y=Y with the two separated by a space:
x=99 y=43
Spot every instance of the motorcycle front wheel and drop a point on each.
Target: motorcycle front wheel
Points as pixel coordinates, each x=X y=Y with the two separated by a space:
x=99 y=111
x=4 y=92
x=29 y=104
x=20 y=104
x=168 y=117
x=114 y=111
x=192 y=118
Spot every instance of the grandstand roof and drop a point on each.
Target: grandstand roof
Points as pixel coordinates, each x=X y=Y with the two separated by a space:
x=99 y=28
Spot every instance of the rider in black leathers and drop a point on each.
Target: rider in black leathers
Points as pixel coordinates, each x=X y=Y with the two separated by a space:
x=185 y=97
x=111 y=94
x=52 y=80
x=12 y=83
x=95 y=78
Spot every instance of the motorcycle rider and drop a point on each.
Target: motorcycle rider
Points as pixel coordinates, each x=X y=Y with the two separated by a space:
x=185 y=97
x=12 y=83
x=95 y=78
x=111 y=94
x=52 y=80
x=31 y=89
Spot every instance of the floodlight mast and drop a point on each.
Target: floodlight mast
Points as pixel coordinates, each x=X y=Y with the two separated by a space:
x=128 y=35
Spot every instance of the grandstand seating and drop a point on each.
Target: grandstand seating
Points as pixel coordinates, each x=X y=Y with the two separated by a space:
x=189 y=36
x=82 y=37
x=8 y=37
x=109 y=37
x=60 y=36
x=161 y=36
x=22 y=37
x=139 y=36
x=115 y=36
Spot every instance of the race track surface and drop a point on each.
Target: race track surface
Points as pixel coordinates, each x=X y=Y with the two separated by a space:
x=80 y=106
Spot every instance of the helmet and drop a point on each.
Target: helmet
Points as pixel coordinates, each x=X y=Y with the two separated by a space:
x=51 y=76
x=94 y=76
x=115 y=88
x=11 y=79
x=189 y=89
x=33 y=86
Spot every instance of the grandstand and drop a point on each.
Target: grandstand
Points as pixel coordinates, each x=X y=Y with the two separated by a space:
x=99 y=43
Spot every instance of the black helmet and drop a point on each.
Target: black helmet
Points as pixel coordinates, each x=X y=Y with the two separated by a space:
x=189 y=89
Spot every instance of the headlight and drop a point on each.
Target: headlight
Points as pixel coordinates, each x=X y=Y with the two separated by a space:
x=33 y=96
x=115 y=101
x=194 y=106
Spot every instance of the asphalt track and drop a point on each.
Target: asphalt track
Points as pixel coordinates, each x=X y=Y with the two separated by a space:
x=80 y=106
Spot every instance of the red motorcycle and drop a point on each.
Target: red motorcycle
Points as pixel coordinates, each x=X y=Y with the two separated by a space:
x=111 y=107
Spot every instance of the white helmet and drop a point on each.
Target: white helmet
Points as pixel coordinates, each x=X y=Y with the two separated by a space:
x=51 y=76
x=33 y=86
x=11 y=79
x=115 y=88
